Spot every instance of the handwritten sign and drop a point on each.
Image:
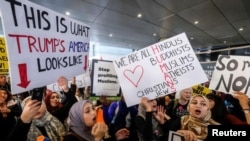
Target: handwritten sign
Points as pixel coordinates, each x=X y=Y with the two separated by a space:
x=160 y=69
x=4 y=64
x=42 y=44
x=105 y=80
x=231 y=74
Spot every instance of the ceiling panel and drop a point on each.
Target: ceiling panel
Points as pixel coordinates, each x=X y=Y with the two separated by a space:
x=219 y=20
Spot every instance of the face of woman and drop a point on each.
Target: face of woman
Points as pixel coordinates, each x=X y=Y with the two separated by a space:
x=211 y=104
x=153 y=105
x=198 y=107
x=3 y=96
x=54 y=100
x=89 y=114
x=186 y=94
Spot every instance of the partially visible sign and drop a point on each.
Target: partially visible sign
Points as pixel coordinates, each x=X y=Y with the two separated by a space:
x=231 y=74
x=199 y=89
x=174 y=136
x=4 y=64
x=82 y=81
x=208 y=68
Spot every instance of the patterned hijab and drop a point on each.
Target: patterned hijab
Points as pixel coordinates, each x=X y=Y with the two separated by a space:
x=53 y=127
x=76 y=121
x=198 y=125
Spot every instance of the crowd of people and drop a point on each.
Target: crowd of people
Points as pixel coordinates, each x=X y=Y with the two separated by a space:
x=70 y=115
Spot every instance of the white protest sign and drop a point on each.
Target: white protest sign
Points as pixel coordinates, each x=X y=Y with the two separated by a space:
x=231 y=73
x=160 y=69
x=42 y=44
x=105 y=80
x=82 y=80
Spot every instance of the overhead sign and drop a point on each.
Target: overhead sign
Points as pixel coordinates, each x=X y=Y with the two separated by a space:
x=105 y=80
x=42 y=44
x=4 y=64
x=160 y=69
x=231 y=74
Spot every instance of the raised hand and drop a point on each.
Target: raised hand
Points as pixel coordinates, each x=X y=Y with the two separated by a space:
x=30 y=109
x=160 y=114
x=63 y=83
x=99 y=130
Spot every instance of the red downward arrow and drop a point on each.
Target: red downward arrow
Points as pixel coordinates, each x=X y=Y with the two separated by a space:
x=85 y=62
x=23 y=75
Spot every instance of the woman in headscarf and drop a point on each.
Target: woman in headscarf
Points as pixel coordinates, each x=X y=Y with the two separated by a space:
x=150 y=121
x=36 y=123
x=53 y=100
x=195 y=125
x=82 y=123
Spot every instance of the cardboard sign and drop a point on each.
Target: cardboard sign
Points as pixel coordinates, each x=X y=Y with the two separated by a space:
x=231 y=74
x=42 y=44
x=4 y=64
x=160 y=69
x=105 y=80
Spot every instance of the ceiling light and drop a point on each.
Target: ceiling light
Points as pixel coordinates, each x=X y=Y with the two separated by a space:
x=196 y=22
x=154 y=34
x=67 y=13
x=110 y=35
x=139 y=15
x=191 y=38
x=241 y=29
x=224 y=42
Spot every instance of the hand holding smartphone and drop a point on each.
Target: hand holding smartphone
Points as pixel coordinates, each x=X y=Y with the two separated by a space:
x=37 y=94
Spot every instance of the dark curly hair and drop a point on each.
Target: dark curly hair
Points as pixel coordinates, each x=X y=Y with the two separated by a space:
x=8 y=93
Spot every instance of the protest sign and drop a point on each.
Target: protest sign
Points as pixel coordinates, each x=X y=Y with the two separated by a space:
x=208 y=68
x=42 y=44
x=160 y=69
x=174 y=136
x=199 y=89
x=82 y=80
x=4 y=65
x=231 y=74
x=104 y=78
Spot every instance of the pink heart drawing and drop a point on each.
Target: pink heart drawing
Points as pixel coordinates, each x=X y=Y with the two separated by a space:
x=134 y=76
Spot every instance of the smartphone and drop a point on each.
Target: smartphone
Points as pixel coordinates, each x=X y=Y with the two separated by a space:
x=37 y=94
